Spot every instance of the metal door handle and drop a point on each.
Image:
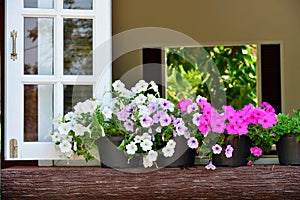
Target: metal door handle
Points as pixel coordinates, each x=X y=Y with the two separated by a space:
x=13 y=54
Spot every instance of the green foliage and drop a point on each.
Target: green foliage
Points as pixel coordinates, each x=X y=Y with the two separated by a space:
x=190 y=73
x=287 y=125
x=261 y=137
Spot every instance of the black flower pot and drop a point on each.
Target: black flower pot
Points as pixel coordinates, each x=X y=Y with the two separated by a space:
x=241 y=151
x=111 y=156
x=182 y=157
x=288 y=150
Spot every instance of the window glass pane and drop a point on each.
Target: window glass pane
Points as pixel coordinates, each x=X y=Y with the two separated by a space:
x=74 y=94
x=38 y=110
x=38 y=3
x=78 y=45
x=38 y=46
x=78 y=4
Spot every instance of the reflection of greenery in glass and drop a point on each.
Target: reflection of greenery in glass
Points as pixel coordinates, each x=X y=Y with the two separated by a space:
x=78 y=4
x=78 y=45
x=189 y=73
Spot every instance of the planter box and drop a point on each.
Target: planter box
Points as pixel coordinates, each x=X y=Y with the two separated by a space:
x=241 y=150
x=288 y=150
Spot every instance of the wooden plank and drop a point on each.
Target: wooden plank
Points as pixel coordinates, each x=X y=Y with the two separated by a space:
x=257 y=182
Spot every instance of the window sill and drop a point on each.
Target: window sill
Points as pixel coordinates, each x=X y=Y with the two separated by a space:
x=257 y=182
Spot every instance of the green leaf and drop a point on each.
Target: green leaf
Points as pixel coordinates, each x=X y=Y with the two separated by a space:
x=298 y=138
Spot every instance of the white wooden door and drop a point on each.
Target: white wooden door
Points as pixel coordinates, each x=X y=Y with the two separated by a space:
x=56 y=53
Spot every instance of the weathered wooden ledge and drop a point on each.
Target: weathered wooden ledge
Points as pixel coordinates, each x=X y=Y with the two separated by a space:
x=257 y=182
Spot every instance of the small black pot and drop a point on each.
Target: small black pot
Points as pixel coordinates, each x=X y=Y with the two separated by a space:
x=182 y=157
x=111 y=156
x=241 y=150
x=288 y=150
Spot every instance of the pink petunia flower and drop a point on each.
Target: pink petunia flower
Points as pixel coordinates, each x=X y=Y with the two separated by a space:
x=256 y=151
x=218 y=123
x=266 y=121
x=183 y=104
x=204 y=128
x=250 y=163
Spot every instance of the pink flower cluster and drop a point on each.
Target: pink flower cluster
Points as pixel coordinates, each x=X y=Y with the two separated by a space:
x=231 y=120
x=238 y=121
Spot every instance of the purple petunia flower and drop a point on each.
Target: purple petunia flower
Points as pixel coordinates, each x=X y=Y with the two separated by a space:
x=129 y=125
x=152 y=107
x=123 y=115
x=166 y=105
x=193 y=143
x=217 y=149
x=210 y=166
x=165 y=120
x=146 y=121
x=228 y=151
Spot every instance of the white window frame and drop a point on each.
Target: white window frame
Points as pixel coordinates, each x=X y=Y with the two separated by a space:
x=14 y=78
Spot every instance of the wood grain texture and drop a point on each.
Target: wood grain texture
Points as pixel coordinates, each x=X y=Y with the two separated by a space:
x=258 y=182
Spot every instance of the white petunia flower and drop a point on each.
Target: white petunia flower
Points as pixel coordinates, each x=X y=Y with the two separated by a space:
x=69 y=154
x=80 y=129
x=65 y=146
x=69 y=116
x=56 y=121
x=141 y=86
x=152 y=155
x=79 y=108
x=143 y=110
x=147 y=163
x=131 y=148
x=140 y=99
x=196 y=119
x=56 y=136
x=64 y=128
x=146 y=145
x=125 y=93
x=118 y=85
x=107 y=112
x=154 y=86
x=68 y=138
x=151 y=98
x=168 y=151
x=89 y=106
x=137 y=139
x=146 y=136
x=171 y=143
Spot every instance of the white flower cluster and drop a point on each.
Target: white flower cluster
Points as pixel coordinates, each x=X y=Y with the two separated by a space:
x=145 y=143
x=72 y=121
x=140 y=86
